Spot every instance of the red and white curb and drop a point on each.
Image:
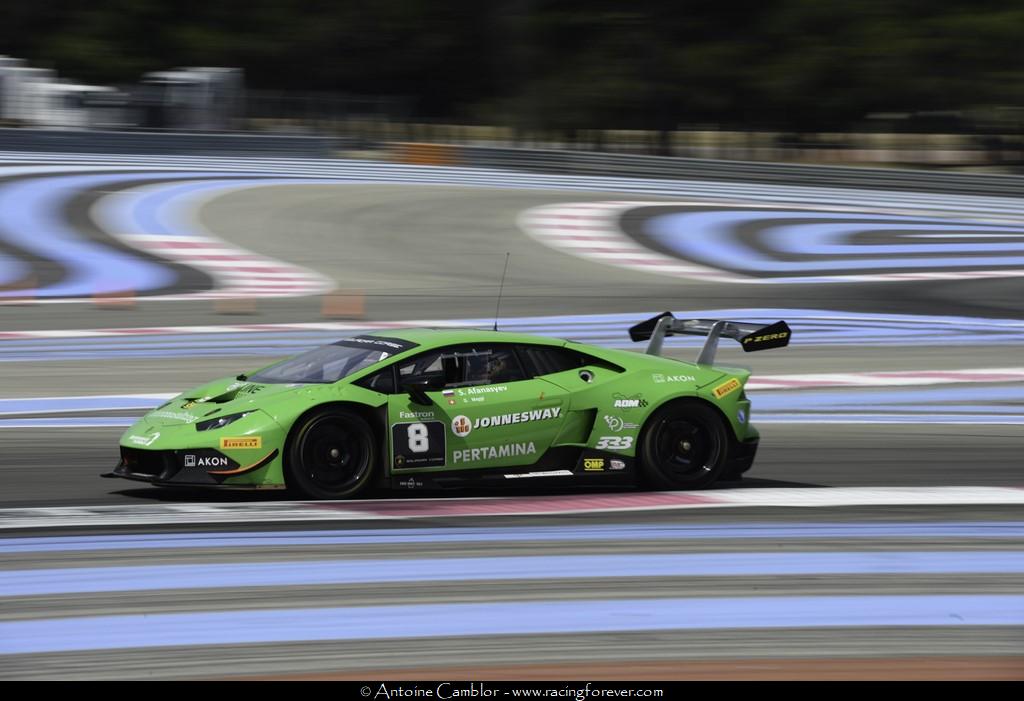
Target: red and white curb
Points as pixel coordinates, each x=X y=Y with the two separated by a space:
x=237 y=272
x=885 y=379
x=592 y=231
x=401 y=509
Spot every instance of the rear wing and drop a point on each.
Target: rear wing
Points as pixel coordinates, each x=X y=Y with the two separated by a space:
x=753 y=337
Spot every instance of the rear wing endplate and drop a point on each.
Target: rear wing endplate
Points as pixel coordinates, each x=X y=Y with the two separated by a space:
x=752 y=336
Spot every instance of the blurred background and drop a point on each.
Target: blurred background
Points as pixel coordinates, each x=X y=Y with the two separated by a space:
x=880 y=82
x=196 y=189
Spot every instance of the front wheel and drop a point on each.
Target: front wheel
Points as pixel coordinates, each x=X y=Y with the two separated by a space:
x=684 y=445
x=332 y=455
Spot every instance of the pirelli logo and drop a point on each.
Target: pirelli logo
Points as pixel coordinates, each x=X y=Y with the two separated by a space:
x=241 y=443
x=726 y=388
x=772 y=336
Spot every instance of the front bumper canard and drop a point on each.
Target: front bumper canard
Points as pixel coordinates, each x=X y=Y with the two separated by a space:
x=199 y=467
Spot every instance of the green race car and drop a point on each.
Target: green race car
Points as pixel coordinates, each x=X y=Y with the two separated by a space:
x=433 y=408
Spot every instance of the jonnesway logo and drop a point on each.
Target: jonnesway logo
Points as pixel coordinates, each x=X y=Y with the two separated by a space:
x=493 y=452
x=461 y=425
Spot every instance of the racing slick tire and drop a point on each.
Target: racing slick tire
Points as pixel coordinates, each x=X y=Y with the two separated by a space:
x=331 y=456
x=684 y=445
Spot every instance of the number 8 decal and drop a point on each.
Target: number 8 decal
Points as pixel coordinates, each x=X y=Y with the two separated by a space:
x=419 y=439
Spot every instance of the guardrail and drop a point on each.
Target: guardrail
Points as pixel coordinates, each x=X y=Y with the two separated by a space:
x=624 y=165
x=166 y=143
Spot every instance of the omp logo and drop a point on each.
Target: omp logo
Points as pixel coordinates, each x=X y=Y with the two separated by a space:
x=633 y=402
x=241 y=443
x=461 y=426
x=726 y=388
x=198 y=461
x=593 y=464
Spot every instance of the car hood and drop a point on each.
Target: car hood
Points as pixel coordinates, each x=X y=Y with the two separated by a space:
x=218 y=398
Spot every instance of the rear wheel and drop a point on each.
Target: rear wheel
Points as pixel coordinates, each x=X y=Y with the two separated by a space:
x=332 y=455
x=684 y=445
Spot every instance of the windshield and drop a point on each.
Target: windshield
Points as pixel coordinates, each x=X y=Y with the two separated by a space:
x=331 y=363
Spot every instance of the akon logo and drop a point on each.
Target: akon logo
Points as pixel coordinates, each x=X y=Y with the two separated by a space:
x=200 y=461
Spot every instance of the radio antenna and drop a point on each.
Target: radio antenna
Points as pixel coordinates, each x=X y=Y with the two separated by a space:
x=501 y=288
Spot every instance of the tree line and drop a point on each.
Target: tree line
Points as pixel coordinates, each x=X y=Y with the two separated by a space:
x=563 y=64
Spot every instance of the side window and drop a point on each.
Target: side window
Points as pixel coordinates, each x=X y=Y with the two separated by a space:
x=382 y=381
x=461 y=366
x=546 y=360
x=426 y=367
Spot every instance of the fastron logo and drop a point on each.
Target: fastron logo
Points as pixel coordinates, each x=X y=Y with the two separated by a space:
x=415 y=414
x=461 y=426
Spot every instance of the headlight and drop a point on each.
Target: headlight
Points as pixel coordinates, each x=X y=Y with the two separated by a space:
x=220 y=421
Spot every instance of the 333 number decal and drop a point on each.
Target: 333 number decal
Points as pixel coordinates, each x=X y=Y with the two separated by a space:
x=614 y=443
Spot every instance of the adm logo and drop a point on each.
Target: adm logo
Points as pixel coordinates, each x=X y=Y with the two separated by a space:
x=635 y=401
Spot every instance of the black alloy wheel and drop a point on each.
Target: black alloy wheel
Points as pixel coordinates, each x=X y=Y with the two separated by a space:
x=332 y=456
x=684 y=446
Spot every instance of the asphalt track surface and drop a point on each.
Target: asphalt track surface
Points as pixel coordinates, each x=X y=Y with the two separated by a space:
x=430 y=251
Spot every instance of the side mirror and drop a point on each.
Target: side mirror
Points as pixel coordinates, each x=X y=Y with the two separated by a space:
x=417 y=391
